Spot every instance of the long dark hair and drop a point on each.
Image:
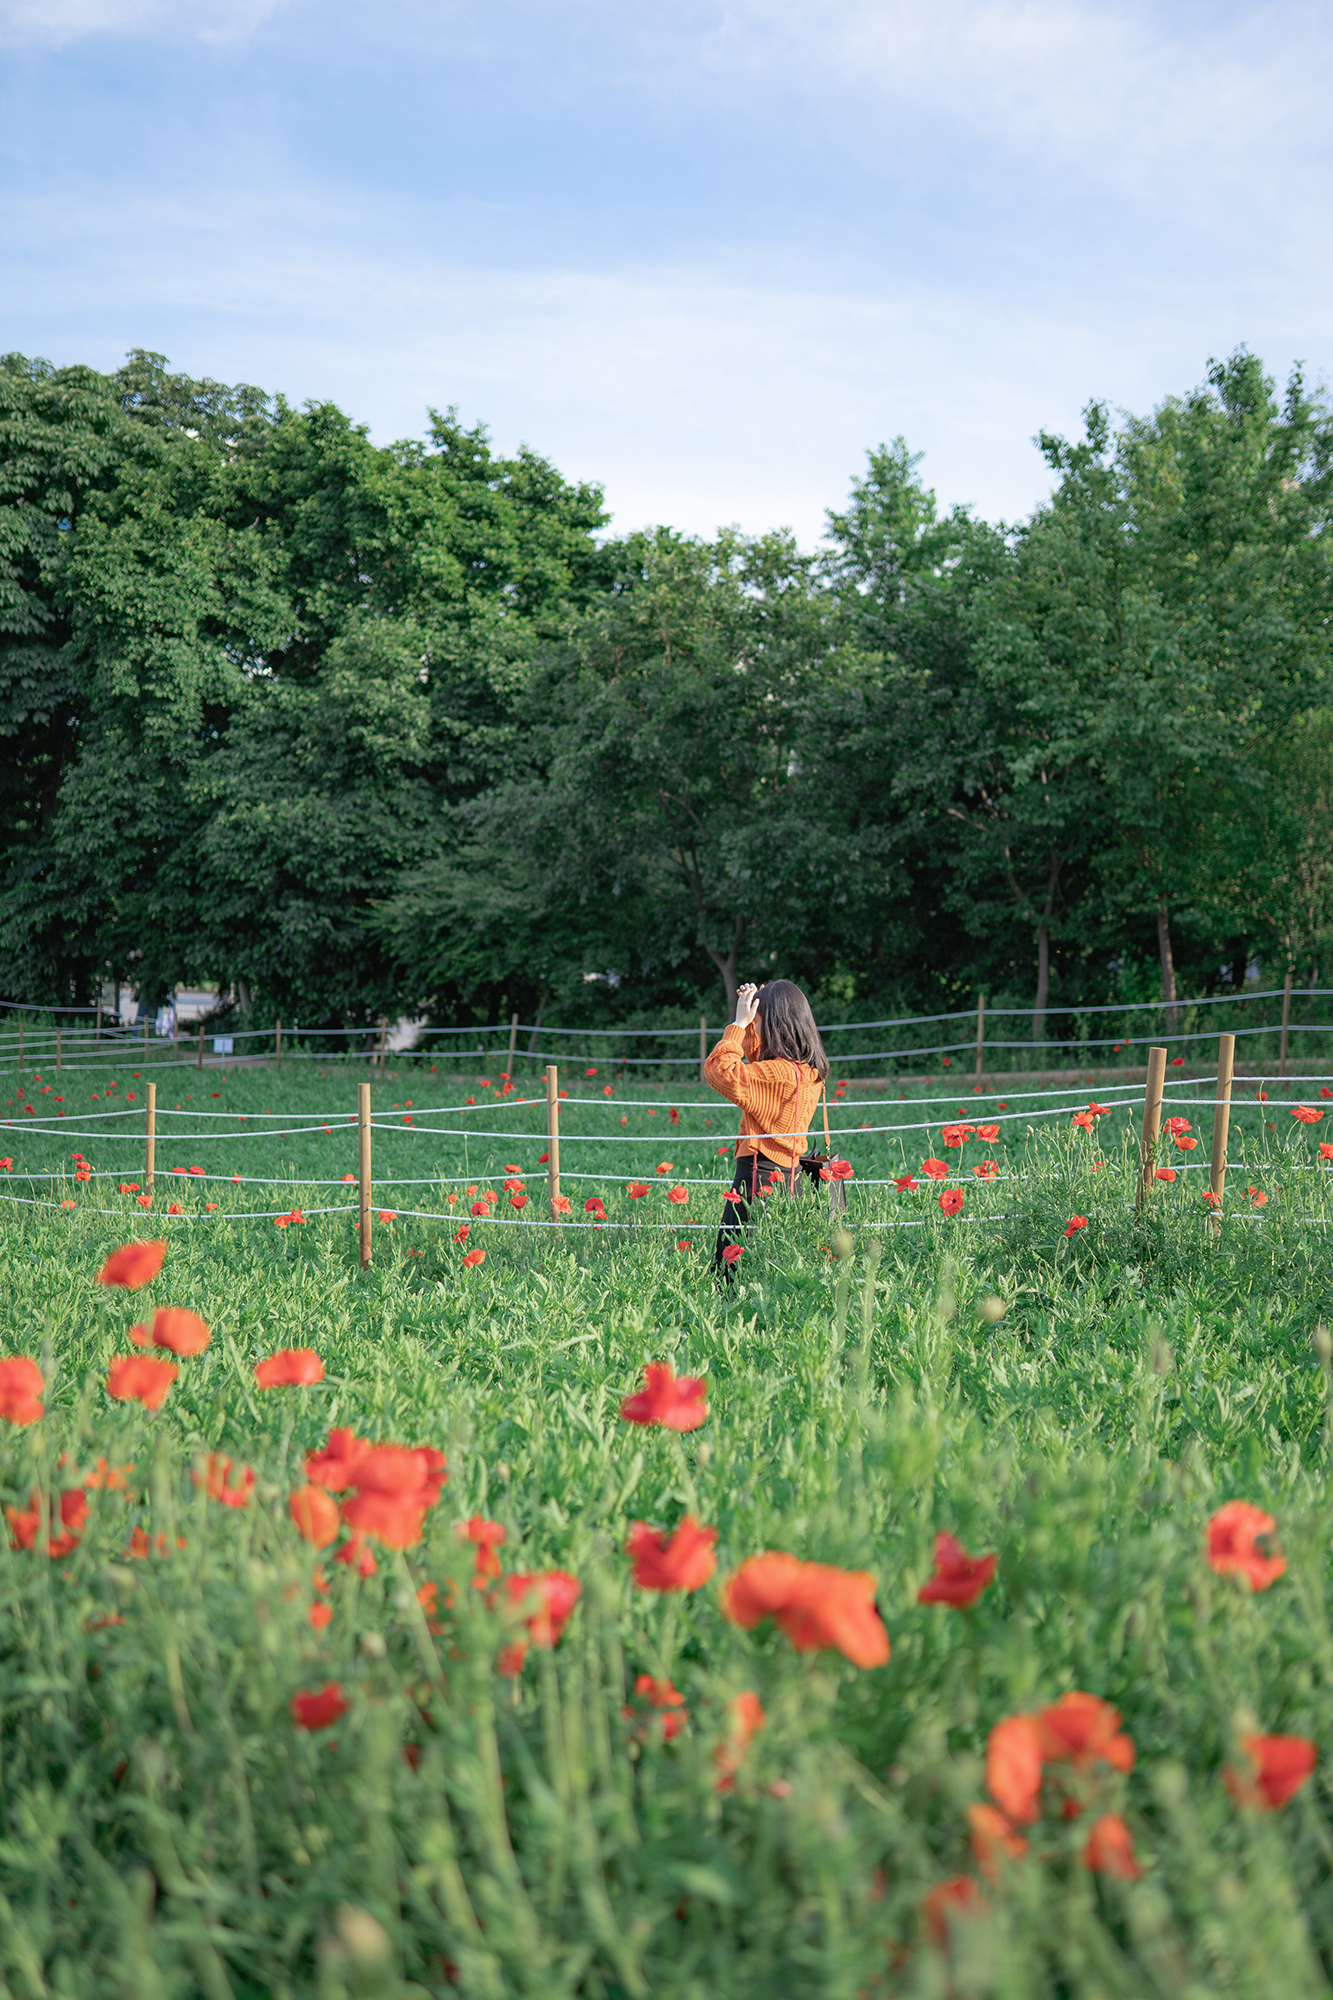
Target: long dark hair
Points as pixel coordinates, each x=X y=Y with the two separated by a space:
x=787 y=1027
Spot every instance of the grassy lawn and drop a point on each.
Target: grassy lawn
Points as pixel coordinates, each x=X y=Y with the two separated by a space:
x=1079 y=1405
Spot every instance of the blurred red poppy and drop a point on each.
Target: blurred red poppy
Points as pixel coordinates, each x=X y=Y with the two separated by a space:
x=21 y=1386
x=1013 y=1767
x=679 y=1402
x=952 y=1200
x=678 y=1195
x=184 y=1333
x=817 y=1605
x=1164 y=1173
x=959 y=1896
x=1275 y=1768
x=636 y=1190
x=134 y=1264
x=319 y=1711
x=745 y=1718
x=661 y=1695
x=139 y=1378
x=315 y=1514
x=1109 y=1849
x=1233 y=1533
x=1082 y=1729
x=290 y=1367
x=993 y=1838
x=1075 y=1223
x=216 y=1478
x=684 y=1563
x=486 y=1537
x=990 y=1133
x=958 y=1578
x=935 y=1170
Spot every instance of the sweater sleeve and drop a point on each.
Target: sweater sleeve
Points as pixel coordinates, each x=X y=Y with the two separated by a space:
x=724 y=1068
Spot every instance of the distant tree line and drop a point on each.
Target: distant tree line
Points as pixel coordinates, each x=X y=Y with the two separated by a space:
x=352 y=730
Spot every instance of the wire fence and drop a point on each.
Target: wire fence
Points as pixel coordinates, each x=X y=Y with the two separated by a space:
x=124 y=1126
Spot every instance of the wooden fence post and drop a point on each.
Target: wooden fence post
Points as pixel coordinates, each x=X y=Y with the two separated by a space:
x=1286 y=1026
x=703 y=1047
x=277 y=1029
x=200 y=1063
x=1217 y=1173
x=1152 y=1125
x=513 y=1037
x=363 y=1167
x=150 y=1139
x=553 y=1139
x=981 y=1030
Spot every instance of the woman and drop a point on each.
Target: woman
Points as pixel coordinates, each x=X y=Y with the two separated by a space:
x=771 y=1063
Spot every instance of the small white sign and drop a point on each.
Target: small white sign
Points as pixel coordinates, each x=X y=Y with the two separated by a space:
x=222 y=1045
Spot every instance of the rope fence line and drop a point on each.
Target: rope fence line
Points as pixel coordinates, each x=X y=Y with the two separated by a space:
x=1155 y=1095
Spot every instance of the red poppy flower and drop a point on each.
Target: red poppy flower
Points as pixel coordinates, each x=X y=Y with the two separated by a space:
x=993 y=1838
x=665 y=1167
x=1177 y=1062
x=952 y=1200
x=1109 y=1849
x=183 y=1332
x=959 y=1896
x=1083 y=1118
x=1013 y=1767
x=661 y=1695
x=1325 y=1150
x=1082 y=1729
x=679 y=1402
x=1164 y=1173
x=678 y=1195
x=837 y=1170
x=905 y=1182
x=1306 y=1114
x=958 y=1578
x=289 y=1368
x=636 y=1190
x=986 y=1170
x=216 y=1477
x=684 y=1245
x=935 y=1170
x=544 y=1601
x=1275 y=1768
x=1257 y=1196
x=745 y=1718
x=139 y=1378
x=473 y=1258
x=990 y=1133
x=1098 y=1110
x=518 y=1201
x=315 y=1514
x=319 y=1711
x=674 y=1115
x=1233 y=1533
x=684 y=1563
x=560 y=1203
x=817 y=1605
x=1075 y=1223
x=594 y=1206
x=392 y=1518
x=486 y=1537
x=21 y=1386
x=134 y=1264
x=956 y=1135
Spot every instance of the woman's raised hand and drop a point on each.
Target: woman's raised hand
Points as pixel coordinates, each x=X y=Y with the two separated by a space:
x=747 y=1005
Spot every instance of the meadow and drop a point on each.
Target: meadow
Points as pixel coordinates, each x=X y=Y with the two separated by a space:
x=233 y=1761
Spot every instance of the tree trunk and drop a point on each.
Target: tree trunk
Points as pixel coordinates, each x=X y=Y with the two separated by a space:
x=243 y=994
x=729 y=965
x=1168 y=966
x=1043 y=980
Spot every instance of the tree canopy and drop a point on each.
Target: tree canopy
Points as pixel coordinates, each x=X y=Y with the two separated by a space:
x=349 y=728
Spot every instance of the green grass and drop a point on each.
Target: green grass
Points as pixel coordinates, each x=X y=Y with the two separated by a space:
x=167 y=1830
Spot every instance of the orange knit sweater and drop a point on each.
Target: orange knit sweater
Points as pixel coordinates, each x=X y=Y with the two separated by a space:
x=775 y=1098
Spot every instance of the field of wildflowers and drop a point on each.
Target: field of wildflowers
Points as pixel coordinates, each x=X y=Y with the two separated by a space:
x=936 y=1609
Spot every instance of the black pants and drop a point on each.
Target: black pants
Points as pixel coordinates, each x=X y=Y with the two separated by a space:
x=753 y=1173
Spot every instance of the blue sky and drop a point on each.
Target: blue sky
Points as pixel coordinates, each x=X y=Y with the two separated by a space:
x=704 y=251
